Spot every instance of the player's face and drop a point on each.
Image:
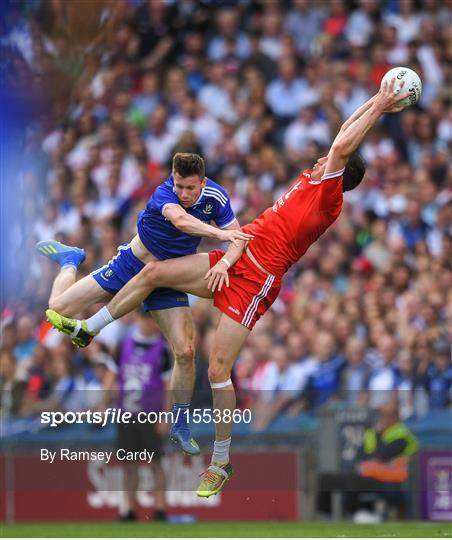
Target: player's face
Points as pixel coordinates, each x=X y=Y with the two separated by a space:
x=319 y=164
x=188 y=189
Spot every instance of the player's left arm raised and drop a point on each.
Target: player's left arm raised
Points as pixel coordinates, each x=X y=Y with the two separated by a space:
x=349 y=140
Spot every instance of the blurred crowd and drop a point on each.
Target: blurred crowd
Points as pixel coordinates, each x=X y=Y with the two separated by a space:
x=259 y=89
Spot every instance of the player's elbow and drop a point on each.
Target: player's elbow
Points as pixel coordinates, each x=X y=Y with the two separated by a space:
x=340 y=149
x=179 y=222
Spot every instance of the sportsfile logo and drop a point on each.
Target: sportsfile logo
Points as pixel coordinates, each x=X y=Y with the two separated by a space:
x=234 y=310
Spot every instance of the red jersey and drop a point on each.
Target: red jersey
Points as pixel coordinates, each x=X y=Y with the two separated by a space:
x=284 y=232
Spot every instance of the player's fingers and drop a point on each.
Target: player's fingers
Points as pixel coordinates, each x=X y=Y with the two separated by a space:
x=212 y=282
x=220 y=282
x=212 y=285
x=240 y=235
x=212 y=277
x=208 y=273
x=227 y=279
x=215 y=283
x=402 y=96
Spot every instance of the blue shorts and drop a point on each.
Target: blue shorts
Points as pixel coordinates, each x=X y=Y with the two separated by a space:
x=122 y=268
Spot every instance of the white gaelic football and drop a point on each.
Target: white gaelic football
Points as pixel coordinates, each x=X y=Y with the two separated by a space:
x=413 y=83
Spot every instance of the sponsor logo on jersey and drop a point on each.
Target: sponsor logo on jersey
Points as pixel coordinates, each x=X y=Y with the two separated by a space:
x=234 y=310
x=208 y=209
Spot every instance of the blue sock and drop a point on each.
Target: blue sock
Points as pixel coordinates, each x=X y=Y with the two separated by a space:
x=180 y=415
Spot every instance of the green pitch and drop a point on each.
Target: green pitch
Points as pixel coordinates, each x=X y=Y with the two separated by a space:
x=227 y=529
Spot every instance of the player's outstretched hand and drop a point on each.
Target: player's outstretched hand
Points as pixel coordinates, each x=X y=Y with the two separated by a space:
x=217 y=276
x=236 y=236
x=389 y=98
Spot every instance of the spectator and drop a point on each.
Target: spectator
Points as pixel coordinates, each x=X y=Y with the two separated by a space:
x=283 y=93
x=26 y=341
x=281 y=383
x=11 y=389
x=438 y=378
x=323 y=369
x=305 y=129
x=356 y=372
x=382 y=379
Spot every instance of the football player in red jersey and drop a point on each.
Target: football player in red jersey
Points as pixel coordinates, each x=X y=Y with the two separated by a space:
x=246 y=280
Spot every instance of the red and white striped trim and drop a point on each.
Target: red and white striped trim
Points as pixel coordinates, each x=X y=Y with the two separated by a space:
x=252 y=308
x=332 y=175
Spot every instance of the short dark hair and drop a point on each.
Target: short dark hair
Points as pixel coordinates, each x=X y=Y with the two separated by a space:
x=354 y=172
x=187 y=164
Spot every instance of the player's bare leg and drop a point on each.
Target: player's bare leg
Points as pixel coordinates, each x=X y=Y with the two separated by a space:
x=65 y=279
x=70 y=297
x=184 y=274
x=228 y=341
x=178 y=328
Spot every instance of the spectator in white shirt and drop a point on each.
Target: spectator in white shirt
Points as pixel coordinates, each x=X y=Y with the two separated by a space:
x=348 y=96
x=159 y=141
x=272 y=31
x=396 y=51
x=149 y=97
x=283 y=93
x=282 y=382
x=227 y=21
x=407 y=23
x=382 y=380
x=214 y=97
x=308 y=16
x=360 y=25
x=305 y=129
x=193 y=117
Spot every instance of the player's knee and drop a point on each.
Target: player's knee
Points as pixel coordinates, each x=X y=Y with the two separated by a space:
x=148 y=272
x=218 y=372
x=185 y=354
x=151 y=272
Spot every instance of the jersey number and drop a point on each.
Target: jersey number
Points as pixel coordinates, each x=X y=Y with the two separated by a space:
x=289 y=193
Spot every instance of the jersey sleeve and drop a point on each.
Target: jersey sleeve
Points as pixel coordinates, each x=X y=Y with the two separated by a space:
x=225 y=215
x=331 y=196
x=163 y=196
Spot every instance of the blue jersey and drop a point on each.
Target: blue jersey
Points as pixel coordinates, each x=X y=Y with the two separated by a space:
x=162 y=238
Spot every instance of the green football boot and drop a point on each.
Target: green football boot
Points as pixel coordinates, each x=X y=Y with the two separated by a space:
x=214 y=479
x=74 y=328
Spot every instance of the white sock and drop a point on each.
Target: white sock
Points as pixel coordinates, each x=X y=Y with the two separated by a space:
x=221 y=451
x=99 y=320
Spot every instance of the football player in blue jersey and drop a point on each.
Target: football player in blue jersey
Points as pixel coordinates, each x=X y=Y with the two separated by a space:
x=172 y=224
